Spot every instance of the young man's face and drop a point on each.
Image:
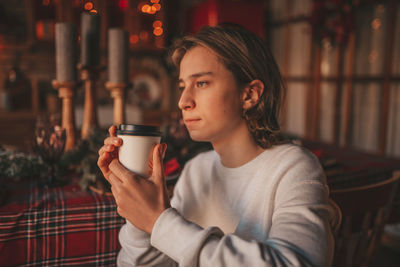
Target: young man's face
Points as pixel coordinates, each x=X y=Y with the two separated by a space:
x=210 y=100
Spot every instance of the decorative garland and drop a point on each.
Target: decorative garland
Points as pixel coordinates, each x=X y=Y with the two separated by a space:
x=334 y=20
x=18 y=165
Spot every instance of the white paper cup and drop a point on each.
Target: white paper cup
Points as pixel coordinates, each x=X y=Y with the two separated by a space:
x=137 y=144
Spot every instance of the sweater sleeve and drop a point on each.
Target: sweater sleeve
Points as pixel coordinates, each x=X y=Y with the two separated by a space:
x=137 y=251
x=190 y=245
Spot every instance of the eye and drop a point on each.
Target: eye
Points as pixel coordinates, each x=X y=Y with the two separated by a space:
x=201 y=84
x=181 y=88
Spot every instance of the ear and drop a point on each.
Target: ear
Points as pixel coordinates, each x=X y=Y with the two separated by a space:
x=252 y=94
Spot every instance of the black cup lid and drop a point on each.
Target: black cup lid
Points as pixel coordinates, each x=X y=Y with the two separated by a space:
x=135 y=129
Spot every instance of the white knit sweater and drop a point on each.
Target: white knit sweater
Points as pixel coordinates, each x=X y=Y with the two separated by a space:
x=271 y=211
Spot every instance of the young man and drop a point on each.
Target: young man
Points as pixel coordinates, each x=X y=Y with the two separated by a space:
x=249 y=202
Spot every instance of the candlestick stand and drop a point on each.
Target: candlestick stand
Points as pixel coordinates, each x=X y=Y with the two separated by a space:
x=117 y=91
x=89 y=75
x=66 y=91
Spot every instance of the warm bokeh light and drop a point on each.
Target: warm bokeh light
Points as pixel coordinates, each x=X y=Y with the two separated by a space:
x=144 y=35
x=149 y=9
x=158 y=31
x=153 y=10
x=88 y=6
x=93 y=11
x=134 y=39
x=44 y=29
x=39 y=30
x=146 y=8
x=46 y=2
x=157 y=24
x=376 y=24
x=157 y=7
x=155 y=1
x=123 y=4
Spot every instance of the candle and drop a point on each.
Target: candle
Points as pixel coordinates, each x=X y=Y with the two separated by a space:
x=90 y=39
x=66 y=51
x=118 y=53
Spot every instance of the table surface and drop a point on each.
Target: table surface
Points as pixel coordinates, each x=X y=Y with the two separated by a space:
x=59 y=226
x=348 y=167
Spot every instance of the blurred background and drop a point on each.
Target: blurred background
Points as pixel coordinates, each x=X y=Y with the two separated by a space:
x=340 y=60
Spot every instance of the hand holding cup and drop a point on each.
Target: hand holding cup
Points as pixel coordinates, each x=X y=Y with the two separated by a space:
x=109 y=151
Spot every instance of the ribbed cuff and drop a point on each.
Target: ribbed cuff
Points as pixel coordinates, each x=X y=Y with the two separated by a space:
x=179 y=238
x=131 y=235
x=170 y=233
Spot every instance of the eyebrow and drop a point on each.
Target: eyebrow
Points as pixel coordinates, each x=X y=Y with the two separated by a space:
x=199 y=74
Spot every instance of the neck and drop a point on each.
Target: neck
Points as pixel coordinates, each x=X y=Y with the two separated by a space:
x=238 y=149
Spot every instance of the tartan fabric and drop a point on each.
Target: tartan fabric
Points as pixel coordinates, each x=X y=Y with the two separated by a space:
x=60 y=226
x=346 y=167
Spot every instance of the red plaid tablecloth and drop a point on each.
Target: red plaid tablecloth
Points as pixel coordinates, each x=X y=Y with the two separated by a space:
x=347 y=167
x=60 y=226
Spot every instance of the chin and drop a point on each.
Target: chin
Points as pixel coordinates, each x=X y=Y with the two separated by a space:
x=198 y=137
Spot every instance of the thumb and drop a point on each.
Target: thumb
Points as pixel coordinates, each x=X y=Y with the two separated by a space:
x=158 y=169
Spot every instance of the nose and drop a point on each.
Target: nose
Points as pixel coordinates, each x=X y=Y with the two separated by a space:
x=186 y=101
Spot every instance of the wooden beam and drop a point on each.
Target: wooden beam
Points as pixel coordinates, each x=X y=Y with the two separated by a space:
x=286 y=41
x=313 y=91
x=316 y=92
x=348 y=109
x=337 y=97
x=309 y=91
x=290 y=20
x=355 y=78
x=286 y=62
x=386 y=84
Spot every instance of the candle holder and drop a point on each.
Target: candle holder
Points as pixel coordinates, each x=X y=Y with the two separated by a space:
x=117 y=91
x=89 y=75
x=66 y=91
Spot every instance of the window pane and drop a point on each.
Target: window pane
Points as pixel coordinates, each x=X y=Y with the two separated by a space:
x=326 y=111
x=393 y=131
x=296 y=108
x=366 y=112
x=328 y=60
x=277 y=10
x=300 y=8
x=299 y=51
x=343 y=113
x=371 y=24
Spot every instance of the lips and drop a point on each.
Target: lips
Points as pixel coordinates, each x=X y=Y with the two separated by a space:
x=191 y=121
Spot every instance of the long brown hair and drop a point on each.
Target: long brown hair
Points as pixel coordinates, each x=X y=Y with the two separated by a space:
x=248 y=58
